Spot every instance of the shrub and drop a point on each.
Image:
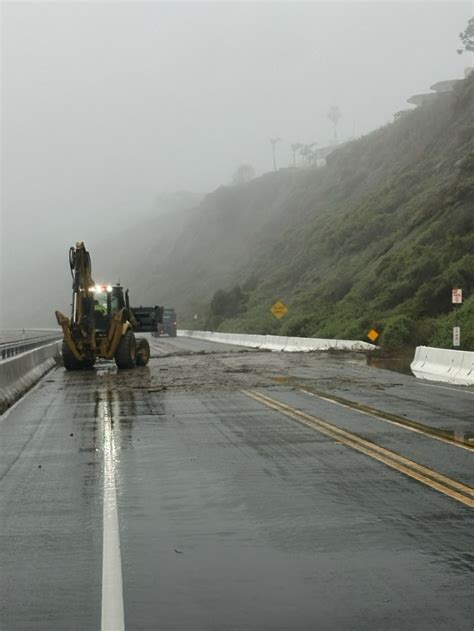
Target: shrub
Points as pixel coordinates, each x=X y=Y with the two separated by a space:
x=462 y=317
x=398 y=331
x=297 y=326
x=228 y=304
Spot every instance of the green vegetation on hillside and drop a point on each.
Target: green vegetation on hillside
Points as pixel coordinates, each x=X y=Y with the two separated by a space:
x=376 y=239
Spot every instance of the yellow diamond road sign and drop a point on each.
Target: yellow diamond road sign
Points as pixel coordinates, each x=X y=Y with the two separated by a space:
x=372 y=335
x=279 y=309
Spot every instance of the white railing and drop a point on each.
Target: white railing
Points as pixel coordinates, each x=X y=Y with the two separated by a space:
x=15 y=341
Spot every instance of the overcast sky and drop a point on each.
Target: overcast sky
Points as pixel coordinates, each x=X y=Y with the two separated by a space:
x=105 y=105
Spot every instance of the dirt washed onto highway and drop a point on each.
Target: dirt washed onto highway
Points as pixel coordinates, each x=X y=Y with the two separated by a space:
x=212 y=366
x=195 y=367
x=191 y=371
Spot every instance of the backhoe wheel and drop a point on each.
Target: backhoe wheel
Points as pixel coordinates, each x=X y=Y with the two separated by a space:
x=87 y=364
x=143 y=352
x=126 y=355
x=71 y=362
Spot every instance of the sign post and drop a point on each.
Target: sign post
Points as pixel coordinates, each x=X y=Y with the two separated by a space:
x=456 y=299
x=456 y=296
x=456 y=336
x=373 y=335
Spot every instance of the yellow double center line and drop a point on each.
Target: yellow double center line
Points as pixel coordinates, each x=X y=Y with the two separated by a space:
x=454 y=489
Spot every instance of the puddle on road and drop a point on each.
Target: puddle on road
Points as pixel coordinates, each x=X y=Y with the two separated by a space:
x=395 y=364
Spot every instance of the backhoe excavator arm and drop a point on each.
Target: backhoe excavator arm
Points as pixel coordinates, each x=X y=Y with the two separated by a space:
x=79 y=329
x=80 y=264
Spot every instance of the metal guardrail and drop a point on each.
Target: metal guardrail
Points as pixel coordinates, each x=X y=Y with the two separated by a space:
x=16 y=341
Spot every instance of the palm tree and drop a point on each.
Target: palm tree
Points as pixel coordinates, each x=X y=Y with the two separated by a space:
x=308 y=153
x=273 y=142
x=294 y=148
x=334 y=116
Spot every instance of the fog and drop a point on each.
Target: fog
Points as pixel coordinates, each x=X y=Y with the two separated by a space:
x=106 y=106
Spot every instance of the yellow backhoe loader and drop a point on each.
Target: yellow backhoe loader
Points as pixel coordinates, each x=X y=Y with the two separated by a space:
x=102 y=323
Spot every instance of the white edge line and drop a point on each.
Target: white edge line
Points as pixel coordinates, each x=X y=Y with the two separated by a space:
x=432 y=385
x=112 y=614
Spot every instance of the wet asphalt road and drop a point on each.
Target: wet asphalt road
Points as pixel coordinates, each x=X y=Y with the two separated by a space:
x=231 y=515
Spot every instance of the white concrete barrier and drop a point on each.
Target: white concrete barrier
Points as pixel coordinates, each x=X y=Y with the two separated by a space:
x=304 y=344
x=275 y=343
x=279 y=343
x=298 y=344
x=466 y=373
x=20 y=373
x=253 y=341
x=441 y=364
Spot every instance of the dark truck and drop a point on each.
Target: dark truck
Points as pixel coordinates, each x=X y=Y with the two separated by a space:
x=168 y=323
x=147 y=319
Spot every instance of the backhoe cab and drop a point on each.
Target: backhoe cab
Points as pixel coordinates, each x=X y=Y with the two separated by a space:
x=102 y=323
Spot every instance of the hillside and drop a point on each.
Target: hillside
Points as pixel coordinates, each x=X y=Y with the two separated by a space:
x=379 y=237
x=376 y=238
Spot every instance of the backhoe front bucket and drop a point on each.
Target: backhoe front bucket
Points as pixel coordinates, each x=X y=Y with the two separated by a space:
x=118 y=328
x=65 y=324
